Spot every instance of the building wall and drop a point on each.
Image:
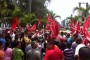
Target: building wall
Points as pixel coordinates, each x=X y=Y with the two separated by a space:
x=65 y=24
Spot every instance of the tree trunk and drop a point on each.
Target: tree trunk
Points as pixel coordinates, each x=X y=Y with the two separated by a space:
x=28 y=5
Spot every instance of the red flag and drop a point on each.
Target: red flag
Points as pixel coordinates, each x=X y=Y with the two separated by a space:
x=77 y=27
x=14 y=23
x=33 y=27
x=13 y=26
x=53 y=26
x=15 y=20
x=72 y=26
x=85 y=28
x=20 y=27
x=57 y=27
x=87 y=35
x=81 y=31
x=73 y=31
x=49 y=17
x=49 y=21
x=53 y=30
x=72 y=23
x=86 y=24
x=39 y=21
x=28 y=28
x=47 y=27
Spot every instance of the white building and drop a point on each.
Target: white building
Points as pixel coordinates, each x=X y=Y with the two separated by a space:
x=65 y=23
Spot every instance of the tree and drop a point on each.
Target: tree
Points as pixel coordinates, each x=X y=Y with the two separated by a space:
x=34 y=6
x=38 y=7
x=27 y=11
x=83 y=12
x=27 y=19
x=53 y=15
x=6 y=8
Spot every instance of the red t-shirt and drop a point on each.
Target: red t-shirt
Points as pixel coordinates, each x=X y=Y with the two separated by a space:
x=2 y=55
x=54 y=54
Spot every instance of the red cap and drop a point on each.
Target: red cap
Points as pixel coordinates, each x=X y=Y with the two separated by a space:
x=62 y=39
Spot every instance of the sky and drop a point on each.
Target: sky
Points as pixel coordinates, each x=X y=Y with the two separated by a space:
x=64 y=8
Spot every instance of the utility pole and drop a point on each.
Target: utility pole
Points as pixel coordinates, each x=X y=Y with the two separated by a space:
x=87 y=5
x=81 y=12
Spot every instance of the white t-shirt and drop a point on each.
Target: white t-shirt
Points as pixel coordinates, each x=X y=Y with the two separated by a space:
x=77 y=48
x=13 y=37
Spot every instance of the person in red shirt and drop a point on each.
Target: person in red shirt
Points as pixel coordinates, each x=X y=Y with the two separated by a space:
x=2 y=54
x=53 y=52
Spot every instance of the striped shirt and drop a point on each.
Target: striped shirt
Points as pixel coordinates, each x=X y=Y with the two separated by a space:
x=68 y=53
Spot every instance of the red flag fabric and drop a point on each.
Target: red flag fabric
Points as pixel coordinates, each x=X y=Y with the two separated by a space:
x=47 y=27
x=33 y=27
x=86 y=23
x=77 y=27
x=85 y=28
x=28 y=28
x=72 y=23
x=72 y=26
x=49 y=21
x=39 y=21
x=20 y=27
x=81 y=31
x=73 y=31
x=53 y=25
x=87 y=35
x=55 y=28
x=14 y=23
x=49 y=17
x=13 y=27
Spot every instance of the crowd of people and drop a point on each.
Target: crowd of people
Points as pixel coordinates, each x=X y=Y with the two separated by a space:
x=39 y=45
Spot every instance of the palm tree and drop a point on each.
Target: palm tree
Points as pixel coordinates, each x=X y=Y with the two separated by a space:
x=53 y=15
x=83 y=12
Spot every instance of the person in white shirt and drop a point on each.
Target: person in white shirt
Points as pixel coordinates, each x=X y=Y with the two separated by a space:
x=33 y=54
x=79 y=45
x=12 y=36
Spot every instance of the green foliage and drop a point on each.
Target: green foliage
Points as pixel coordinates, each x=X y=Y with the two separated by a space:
x=11 y=8
x=85 y=12
x=39 y=8
x=53 y=15
x=27 y=18
x=17 y=12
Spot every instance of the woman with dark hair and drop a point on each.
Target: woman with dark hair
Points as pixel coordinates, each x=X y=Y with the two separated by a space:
x=84 y=53
x=8 y=51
